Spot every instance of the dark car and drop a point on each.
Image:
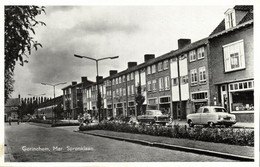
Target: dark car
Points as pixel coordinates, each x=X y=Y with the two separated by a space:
x=153 y=116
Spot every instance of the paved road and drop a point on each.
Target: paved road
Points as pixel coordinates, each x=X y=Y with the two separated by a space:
x=31 y=143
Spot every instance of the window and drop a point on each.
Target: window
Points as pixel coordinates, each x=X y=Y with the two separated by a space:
x=116 y=80
x=192 y=55
x=113 y=81
x=149 y=86
x=174 y=81
x=153 y=69
x=132 y=75
x=165 y=65
x=161 y=85
x=114 y=93
x=123 y=78
x=148 y=70
x=119 y=80
x=160 y=66
x=202 y=74
x=230 y=19
x=128 y=90
x=124 y=92
x=199 y=96
x=133 y=89
x=120 y=91
x=201 y=53
x=234 y=56
x=117 y=92
x=184 y=79
x=167 y=82
x=154 y=85
x=194 y=77
x=128 y=77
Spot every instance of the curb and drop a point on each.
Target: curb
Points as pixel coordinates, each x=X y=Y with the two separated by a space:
x=176 y=147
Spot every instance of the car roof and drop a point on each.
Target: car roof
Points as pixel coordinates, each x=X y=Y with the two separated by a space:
x=212 y=107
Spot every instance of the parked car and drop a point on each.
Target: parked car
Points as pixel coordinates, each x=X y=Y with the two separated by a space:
x=211 y=116
x=153 y=116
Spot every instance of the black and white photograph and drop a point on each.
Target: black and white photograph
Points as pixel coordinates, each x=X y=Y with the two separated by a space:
x=134 y=83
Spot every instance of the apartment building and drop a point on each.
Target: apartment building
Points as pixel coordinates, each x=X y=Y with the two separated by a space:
x=216 y=70
x=73 y=98
x=232 y=63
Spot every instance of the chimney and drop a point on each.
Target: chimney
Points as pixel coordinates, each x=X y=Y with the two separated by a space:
x=98 y=78
x=74 y=83
x=84 y=79
x=131 y=64
x=183 y=42
x=112 y=72
x=148 y=57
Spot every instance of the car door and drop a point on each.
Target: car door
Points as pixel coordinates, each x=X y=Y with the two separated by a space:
x=196 y=116
x=204 y=117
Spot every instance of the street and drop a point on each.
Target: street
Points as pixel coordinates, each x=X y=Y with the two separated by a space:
x=32 y=143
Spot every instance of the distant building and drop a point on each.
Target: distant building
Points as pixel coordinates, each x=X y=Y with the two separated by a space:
x=12 y=108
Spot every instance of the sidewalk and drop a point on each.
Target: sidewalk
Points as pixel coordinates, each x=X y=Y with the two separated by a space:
x=242 y=153
x=8 y=153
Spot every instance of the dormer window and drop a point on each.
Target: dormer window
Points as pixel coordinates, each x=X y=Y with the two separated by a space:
x=230 y=19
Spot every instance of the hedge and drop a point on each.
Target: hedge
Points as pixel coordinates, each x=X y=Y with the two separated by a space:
x=244 y=137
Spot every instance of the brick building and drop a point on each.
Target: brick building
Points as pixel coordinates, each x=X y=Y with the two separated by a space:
x=232 y=63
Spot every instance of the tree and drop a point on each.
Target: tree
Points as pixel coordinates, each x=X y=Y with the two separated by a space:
x=139 y=99
x=19 y=25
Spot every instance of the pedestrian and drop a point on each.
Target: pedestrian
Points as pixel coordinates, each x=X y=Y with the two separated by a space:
x=10 y=120
x=18 y=120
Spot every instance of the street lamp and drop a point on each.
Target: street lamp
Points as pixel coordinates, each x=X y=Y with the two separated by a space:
x=53 y=85
x=97 y=80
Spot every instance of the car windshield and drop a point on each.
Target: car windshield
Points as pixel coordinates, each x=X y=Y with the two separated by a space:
x=220 y=110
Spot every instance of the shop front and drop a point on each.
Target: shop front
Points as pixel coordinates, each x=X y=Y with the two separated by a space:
x=241 y=100
x=165 y=105
x=152 y=104
x=119 y=109
x=131 y=107
x=198 y=100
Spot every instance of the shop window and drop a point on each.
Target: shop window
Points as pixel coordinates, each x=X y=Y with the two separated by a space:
x=199 y=96
x=152 y=101
x=234 y=56
x=242 y=101
x=164 y=99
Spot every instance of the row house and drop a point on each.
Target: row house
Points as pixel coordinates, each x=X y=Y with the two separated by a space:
x=73 y=98
x=216 y=70
x=232 y=63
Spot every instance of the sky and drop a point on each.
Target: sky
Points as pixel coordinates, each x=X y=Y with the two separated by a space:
x=129 y=32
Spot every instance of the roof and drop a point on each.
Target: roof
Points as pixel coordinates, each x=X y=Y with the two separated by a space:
x=246 y=18
x=244 y=7
x=168 y=55
x=12 y=102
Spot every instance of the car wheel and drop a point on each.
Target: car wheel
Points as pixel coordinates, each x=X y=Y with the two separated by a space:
x=191 y=123
x=211 y=124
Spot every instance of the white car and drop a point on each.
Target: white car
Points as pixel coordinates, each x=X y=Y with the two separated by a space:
x=211 y=116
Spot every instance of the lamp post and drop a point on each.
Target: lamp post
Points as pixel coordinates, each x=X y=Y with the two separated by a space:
x=36 y=96
x=53 y=85
x=97 y=78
